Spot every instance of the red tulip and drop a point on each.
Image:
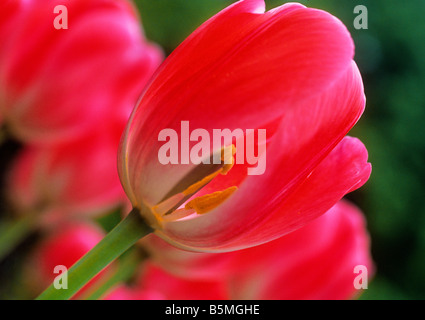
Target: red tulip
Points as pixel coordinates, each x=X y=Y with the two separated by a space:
x=57 y=83
x=70 y=179
x=288 y=71
x=314 y=262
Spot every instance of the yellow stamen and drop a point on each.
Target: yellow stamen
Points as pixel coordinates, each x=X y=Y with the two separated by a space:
x=224 y=170
x=201 y=204
x=208 y=202
x=227 y=166
x=224 y=149
x=198 y=185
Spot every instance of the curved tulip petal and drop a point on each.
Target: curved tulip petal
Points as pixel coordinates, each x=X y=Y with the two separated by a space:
x=241 y=69
x=345 y=169
x=306 y=135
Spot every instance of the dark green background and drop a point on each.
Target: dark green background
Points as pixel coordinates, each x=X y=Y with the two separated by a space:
x=391 y=57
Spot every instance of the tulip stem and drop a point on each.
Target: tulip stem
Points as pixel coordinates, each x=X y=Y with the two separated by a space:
x=126 y=269
x=115 y=243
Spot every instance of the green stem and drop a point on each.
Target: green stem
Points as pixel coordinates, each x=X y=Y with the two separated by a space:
x=14 y=232
x=119 y=240
x=126 y=269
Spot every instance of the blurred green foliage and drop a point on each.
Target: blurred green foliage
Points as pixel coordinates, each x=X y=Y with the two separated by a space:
x=169 y=22
x=390 y=55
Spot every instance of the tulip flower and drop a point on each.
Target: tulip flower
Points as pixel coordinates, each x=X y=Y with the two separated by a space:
x=286 y=76
x=57 y=83
x=288 y=71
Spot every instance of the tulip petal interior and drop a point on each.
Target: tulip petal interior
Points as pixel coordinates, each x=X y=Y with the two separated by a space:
x=194 y=181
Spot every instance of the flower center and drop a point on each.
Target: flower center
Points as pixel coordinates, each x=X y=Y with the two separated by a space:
x=210 y=201
x=169 y=208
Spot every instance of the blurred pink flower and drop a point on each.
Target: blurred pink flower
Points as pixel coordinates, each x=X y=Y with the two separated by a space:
x=63 y=246
x=314 y=262
x=67 y=180
x=75 y=87
x=57 y=84
x=156 y=284
x=289 y=71
x=175 y=288
x=124 y=292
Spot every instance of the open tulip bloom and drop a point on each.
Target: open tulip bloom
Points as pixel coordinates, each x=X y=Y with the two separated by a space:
x=285 y=85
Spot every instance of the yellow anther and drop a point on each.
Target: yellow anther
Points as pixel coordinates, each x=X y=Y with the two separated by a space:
x=225 y=154
x=224 y=170
x=171 y=205
x=198 y=185
x=226 y=157
x=208 y=202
